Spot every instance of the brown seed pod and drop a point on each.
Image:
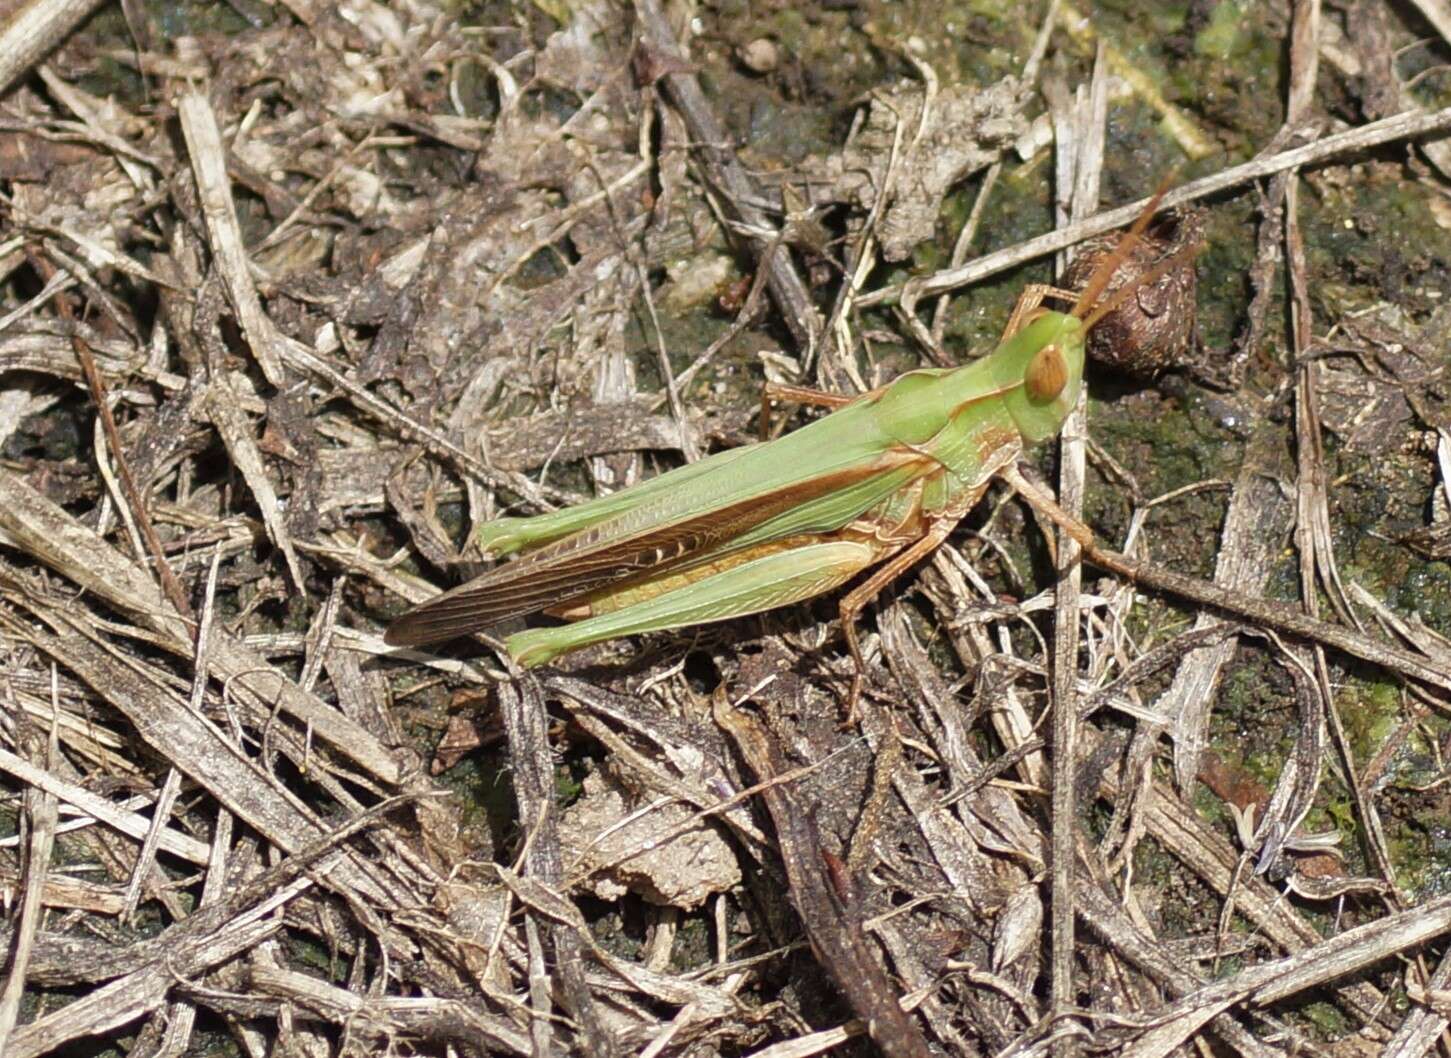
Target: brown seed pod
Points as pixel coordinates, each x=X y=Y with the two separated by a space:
x=1153 y=329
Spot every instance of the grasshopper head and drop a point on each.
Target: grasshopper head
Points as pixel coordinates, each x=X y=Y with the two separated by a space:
x=1047 y=354
x=1041 y=370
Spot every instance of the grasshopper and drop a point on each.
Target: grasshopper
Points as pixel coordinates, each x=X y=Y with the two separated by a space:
x=883 y=479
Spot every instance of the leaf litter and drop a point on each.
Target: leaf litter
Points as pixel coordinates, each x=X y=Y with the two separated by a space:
x=352 y=281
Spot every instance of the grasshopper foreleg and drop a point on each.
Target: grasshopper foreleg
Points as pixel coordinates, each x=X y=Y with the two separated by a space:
x=1047 y=505
x=1028 y=303
x=1267 y=612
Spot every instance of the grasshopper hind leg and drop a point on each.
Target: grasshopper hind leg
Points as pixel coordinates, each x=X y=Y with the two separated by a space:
x=765 y=583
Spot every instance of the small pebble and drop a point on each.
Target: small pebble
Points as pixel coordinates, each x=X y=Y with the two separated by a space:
x=760 y=55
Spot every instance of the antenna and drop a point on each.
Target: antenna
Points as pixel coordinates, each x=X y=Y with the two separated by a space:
x=1103 y=274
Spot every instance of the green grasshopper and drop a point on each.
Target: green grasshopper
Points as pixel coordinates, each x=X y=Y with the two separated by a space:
x=884 y=479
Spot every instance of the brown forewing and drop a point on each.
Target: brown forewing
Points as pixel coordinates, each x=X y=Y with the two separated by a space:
x=584 y=562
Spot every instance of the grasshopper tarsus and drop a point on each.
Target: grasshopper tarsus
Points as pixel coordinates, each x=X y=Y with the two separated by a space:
x=851 y=708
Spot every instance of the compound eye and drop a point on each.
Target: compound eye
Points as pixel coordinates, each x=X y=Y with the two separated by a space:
x=1047 y=374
